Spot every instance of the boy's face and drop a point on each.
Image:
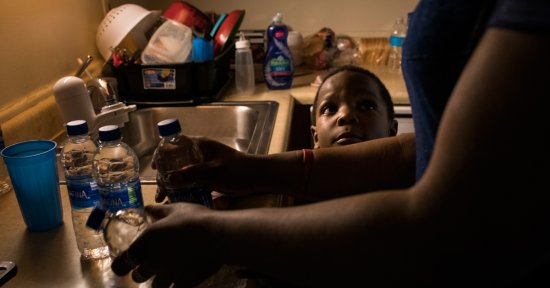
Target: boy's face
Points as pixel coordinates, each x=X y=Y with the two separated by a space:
x=350 y=110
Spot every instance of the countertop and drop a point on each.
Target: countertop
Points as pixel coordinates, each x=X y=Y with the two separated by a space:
x=51 y=259
x=304 y=93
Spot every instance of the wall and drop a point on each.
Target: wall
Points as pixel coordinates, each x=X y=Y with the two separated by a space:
x=352 y=17
x=41 y=41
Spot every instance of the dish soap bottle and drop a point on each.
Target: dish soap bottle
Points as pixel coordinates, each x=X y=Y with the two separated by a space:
x=244 y=67
x=278 y=67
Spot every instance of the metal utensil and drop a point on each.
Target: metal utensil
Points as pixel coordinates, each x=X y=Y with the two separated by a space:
x=7 y=271
x=84 y=65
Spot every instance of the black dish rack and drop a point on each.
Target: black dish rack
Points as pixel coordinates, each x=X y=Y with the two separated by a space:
x=175 y=84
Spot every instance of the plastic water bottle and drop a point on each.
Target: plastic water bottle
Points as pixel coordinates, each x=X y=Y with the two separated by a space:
x=5 y=187
x=244 y=66
x=76 y=158
x=119 y=228
x=173 y=152
x=397 y=38
x=278 y=67
x=116 y=171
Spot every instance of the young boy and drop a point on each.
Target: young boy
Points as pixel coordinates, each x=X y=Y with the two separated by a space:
x=352 y=105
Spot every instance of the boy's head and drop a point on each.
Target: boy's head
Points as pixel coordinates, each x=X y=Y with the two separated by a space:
x=352 y=105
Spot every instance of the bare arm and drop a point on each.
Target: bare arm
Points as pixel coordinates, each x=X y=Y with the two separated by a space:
x=380 y=164
x=477 y=213
x=385 y=163
x=459 y=225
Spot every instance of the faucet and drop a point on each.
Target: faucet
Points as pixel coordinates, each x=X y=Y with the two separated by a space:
x=73 y=98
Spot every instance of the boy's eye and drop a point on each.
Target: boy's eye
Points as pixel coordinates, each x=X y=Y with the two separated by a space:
x=367 y=105
x=328 y=109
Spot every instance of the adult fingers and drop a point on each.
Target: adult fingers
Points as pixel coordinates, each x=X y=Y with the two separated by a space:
x=124 y=263
x=160 y=195
x=158 y=212
x=162 y=280
x=201 y=173
x=142 y=273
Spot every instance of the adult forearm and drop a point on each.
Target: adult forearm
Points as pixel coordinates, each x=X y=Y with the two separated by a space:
x=315 y=245
x=326 y=173
x=387 y=163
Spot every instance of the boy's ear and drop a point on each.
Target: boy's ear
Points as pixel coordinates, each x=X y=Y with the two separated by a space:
x=393 y=127
x=315 y=136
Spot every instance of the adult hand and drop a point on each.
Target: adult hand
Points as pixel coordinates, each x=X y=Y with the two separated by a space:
x=177 y=248
x=219 y=160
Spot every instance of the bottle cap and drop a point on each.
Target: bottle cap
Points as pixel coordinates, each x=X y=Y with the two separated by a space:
x=109 y=133
x=242 y=43
x=169 y=127
x=96 y=217
x=77 y=127
x=278 y=18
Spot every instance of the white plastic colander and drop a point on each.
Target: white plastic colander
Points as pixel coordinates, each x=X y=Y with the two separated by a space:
x=128 y=22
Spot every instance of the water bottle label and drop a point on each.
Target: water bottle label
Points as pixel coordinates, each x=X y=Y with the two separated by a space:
x=396 y=40
x=83 y=192
x=126 y=196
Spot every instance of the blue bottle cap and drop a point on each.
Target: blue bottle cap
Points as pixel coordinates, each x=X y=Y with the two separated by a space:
x=96 y=217
x=169 y=127
x=109 y=133
x=77 y=127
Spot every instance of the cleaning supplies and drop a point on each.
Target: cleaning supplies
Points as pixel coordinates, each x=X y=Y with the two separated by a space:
x=278 y=67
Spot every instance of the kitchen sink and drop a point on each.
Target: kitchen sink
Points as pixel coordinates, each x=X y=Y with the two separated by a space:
x=245 y=126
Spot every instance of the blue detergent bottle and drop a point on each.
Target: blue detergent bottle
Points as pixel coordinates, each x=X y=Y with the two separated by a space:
x=278 y=66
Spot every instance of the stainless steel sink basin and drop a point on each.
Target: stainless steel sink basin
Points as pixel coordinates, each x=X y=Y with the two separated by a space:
x=245 y=126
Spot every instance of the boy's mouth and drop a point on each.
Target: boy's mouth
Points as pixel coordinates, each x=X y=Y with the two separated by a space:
x=348 y=138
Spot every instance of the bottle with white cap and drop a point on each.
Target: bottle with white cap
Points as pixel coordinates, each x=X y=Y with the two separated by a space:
x=244 y=66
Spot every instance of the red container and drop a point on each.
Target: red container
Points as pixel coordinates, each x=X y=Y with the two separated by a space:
x=189 y=16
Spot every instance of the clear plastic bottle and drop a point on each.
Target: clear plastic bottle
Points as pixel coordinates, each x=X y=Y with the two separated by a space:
x=119 y=228
x=5 y=187
x=397 y=38
x=77 y=157
x=244 y=66
x=278 y=67
x=174 y=151
x=116 y=171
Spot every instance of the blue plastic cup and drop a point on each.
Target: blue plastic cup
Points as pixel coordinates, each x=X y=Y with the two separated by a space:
x=32 y=167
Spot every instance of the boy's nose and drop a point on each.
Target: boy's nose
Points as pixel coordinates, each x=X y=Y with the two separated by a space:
x=346 y=116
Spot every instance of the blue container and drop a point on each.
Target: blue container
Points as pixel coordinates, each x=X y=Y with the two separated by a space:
x=32 y=167
x=278 y=66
